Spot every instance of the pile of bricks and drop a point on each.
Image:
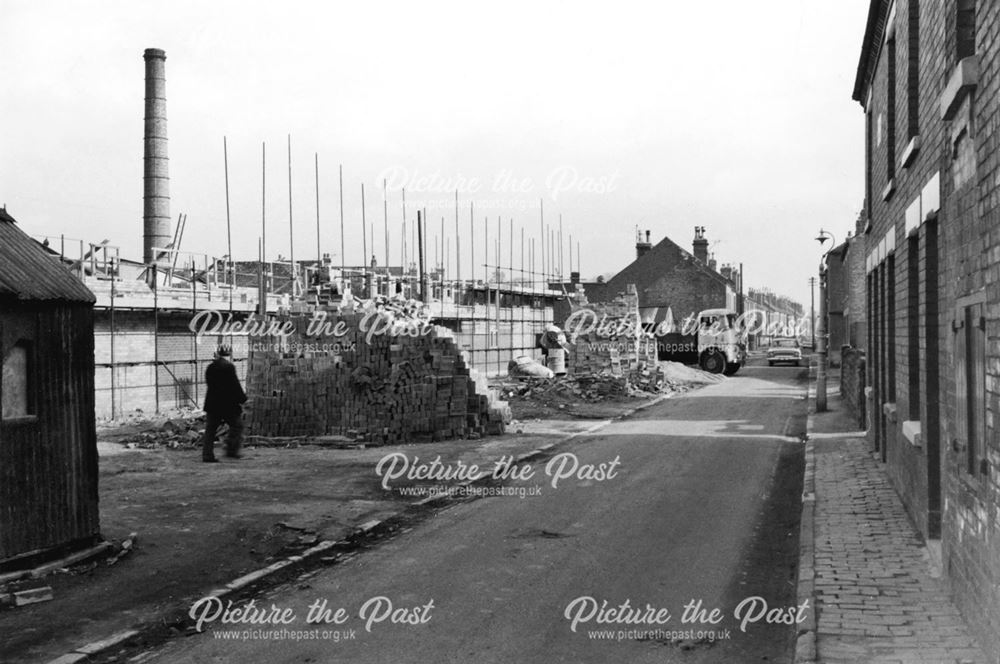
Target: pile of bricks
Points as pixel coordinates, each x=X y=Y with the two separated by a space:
x=381 y=389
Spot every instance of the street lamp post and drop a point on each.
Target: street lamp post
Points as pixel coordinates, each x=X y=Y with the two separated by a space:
x=822 y=336
x=812 y=310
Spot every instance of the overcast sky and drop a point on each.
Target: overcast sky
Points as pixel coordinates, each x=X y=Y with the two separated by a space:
x=732 y=115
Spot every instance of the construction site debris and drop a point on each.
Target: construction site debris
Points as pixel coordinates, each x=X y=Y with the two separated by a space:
x=648 y=382
x=125 y=548
x=32 y=596
x=184 y=431
x=528 y=367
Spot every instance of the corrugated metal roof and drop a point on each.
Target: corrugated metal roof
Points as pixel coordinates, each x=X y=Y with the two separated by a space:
x=28 y=272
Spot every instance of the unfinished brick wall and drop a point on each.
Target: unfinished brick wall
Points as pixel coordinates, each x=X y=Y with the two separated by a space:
x=142 y=338
x=384 y=389
x=619 y=354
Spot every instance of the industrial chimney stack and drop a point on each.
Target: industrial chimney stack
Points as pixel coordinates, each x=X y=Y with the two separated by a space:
x=155 y=178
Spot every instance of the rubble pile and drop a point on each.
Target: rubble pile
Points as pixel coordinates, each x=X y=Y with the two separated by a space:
x=182 y=431
x=387 y=376
x=595 y=386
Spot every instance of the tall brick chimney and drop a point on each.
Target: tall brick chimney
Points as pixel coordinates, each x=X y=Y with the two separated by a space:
x=641 y=247
x=155 y=178
x=700 y=245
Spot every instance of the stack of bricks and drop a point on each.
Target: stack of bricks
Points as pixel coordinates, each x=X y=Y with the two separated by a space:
x=597 y=351
x=377 y=388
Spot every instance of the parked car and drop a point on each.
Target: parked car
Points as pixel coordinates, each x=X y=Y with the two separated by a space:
x=784 y=350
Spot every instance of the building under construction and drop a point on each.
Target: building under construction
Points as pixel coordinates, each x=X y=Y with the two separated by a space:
x=147 y=356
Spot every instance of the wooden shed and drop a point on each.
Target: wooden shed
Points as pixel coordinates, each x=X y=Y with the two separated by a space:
x=48 y=443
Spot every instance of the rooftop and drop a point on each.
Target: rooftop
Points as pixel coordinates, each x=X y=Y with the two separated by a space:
x=28 y=271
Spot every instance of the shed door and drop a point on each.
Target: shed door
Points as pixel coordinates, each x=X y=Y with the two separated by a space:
x=22 y=505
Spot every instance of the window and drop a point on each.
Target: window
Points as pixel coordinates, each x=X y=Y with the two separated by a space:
x=16 y=388
x=913 y=69
x=890 y=324
x=717 y=323
x=890 y=122
x=868 y=160
x=965 y=28
x=970 y=381
x=913 y=325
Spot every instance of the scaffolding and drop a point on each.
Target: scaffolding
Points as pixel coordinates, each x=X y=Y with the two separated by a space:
x=148 y=358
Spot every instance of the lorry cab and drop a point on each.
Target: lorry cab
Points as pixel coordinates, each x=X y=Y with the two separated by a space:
x=721 y=341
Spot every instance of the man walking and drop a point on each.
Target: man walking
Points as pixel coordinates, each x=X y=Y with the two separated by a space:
x=223 y=403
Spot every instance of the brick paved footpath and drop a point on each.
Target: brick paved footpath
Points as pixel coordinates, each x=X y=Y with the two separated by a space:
x=878 y=600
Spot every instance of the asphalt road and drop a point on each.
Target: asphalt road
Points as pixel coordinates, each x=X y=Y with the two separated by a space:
x=703 y=504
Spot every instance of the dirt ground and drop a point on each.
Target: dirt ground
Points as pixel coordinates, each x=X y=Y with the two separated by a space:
x=202 y=525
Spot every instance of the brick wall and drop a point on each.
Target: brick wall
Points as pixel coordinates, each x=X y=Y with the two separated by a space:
x=921 y=273
x=667 y=276
x=852 y=384
x=854 y=308
x=889 y=370
x=971 y=242
x=686 y=292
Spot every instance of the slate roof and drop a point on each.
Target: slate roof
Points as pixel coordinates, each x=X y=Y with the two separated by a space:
x=878 y=12
x=664 y=259
x=29 y=272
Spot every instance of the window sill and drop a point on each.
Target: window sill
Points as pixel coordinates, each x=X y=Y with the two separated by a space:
x=889 y=189
x=20 y=420
x=964 y=78
x=912 y=433
x=910 y=151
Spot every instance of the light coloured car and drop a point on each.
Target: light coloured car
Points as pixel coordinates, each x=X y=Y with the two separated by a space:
x=784 y=350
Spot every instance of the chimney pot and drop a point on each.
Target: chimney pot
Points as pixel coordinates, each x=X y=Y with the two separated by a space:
x=700 y=245
x=642 y=248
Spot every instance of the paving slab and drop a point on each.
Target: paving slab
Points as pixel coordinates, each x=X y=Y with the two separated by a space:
x=876 y=595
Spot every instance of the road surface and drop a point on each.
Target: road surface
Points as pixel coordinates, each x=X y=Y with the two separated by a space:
x=701 y=506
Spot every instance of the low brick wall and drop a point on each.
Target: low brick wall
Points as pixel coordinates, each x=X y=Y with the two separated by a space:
x=380 y=388
x=852 y=383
